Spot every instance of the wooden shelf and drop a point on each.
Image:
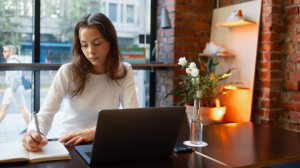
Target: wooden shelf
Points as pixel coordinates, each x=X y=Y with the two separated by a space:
x=218 y=55
x=237 y=23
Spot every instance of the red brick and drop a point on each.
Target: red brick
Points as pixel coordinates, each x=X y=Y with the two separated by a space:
x=290 y=48
x=264 y=75
x=277 y=2
x=271 y=47
x=298 y=66
x=292 y=28
x=290 y=66
x=296 y=38
x=201 y=26
x=291 y=85
x=271 y=84
x=295 y=1
x=181 y=8
x=267 y=18
x=294 y=75
x=295 y=97
x=276 y=65
x=271 y=94
x=182 y=24
x=270 y=103
x=292 y=10
x=272 y=114
x=266 y=47
x=268 y=75
x=267 y=10
x=266 y=26
x=269 y=36
x=277 y=19
x=296 y=19
x=293 y=57
x=291 y=106
x=272 y=56
x=276 y=28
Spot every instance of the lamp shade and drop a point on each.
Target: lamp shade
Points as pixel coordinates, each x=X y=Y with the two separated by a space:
x=165 y=20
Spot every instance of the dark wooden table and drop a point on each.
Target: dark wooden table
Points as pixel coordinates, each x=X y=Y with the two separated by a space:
x=183 y=160
x=250 y=145
x=229 y=145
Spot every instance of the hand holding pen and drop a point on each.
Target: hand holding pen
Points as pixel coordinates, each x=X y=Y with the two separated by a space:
x=36 y=120
x=34 y=140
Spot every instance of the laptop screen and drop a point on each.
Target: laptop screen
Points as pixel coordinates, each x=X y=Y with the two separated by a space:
x=134 y=134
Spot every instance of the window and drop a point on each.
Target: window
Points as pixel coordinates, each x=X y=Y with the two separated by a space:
x=113 y=12
x=130 y=14
x=57 y=18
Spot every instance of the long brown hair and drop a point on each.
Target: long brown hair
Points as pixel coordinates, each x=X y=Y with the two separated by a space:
x=81 y=67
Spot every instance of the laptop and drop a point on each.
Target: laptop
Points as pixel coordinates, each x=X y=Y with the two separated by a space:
x=133 y=134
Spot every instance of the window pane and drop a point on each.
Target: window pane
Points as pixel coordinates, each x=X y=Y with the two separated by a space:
x=16 y=26
x=16 y=30
x=17 y=101
x=130 y=14
x=113 y=12
x=131 y=19
x=58 y=18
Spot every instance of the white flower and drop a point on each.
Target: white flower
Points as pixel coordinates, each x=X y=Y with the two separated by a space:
x=192 y=65
x=188 y=71
x=182 y=61
x=194 y=72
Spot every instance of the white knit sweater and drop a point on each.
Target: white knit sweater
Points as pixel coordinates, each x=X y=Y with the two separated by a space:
x=81 y=112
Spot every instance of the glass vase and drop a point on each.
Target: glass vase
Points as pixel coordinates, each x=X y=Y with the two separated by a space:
x=196 y=126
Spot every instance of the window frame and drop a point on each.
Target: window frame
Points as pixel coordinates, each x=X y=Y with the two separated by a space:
x=37 y=67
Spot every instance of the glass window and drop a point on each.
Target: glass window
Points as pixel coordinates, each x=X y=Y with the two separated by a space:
x=58 y=18
x=113 y=12
x=130 y=14
x=103 y=8
x=16 y=102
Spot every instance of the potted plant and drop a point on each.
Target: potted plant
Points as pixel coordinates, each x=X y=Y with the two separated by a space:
x=204 y=85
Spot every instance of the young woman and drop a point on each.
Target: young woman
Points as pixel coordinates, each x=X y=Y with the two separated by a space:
x=95 y=79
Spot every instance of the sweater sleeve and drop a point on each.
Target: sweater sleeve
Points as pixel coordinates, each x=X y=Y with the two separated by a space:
x=128 y=96
x=53 y=100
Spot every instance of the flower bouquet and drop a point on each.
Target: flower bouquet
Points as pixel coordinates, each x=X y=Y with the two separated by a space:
x=201 y=83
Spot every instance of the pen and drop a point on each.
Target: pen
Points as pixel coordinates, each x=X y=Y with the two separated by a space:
x=37 y=123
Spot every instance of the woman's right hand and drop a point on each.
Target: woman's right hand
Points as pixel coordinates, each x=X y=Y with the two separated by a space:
x=33 y=141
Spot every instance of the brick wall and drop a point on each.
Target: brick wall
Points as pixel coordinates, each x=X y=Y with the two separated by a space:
x=276 y=90
x=191 y=24
x=267 y=106
x=290 y=116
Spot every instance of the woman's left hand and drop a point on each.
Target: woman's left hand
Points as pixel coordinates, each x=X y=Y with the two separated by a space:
x=77 y=137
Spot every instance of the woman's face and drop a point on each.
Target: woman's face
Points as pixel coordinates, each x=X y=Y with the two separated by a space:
x=95 y=47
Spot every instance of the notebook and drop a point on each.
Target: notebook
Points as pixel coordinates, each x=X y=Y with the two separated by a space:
x=15 y=152
x=133 y=134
